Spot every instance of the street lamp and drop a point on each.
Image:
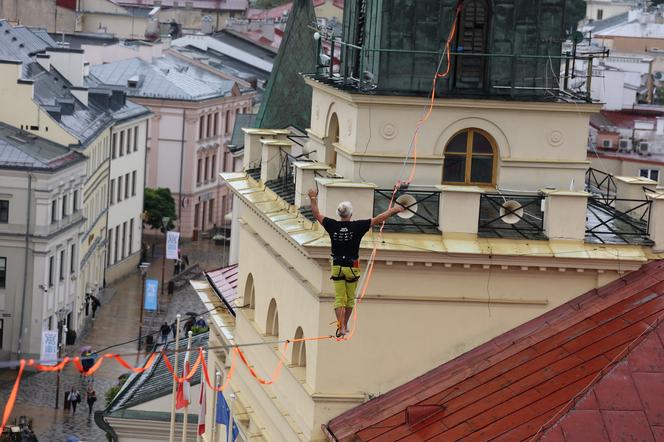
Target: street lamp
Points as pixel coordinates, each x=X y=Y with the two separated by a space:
x=143 y=268
x=61 y=314
x=164 y=223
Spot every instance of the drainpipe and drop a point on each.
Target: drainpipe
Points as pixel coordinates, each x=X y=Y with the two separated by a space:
x=184 y=115
x=25 y=266
x=108 y=201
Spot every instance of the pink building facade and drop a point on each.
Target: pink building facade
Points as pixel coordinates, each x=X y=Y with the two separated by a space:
x=187 y=148
x=194 y=112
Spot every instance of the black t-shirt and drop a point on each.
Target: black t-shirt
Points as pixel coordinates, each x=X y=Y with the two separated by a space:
x=346 y=236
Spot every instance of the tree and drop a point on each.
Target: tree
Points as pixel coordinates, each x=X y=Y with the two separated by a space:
x=157 y=204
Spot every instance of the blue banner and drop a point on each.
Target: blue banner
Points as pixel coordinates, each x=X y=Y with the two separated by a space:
x=151 y=292
x=223 y=415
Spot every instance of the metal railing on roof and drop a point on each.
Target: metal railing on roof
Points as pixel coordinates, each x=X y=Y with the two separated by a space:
x=601 y=185
x=524 y=220
x=608 y=224
x=424 y=218
x=355 y=65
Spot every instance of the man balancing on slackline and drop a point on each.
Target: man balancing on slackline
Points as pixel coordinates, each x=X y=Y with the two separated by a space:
x=345 y=236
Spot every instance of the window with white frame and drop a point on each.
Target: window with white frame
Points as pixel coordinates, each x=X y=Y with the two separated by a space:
x=652 y=174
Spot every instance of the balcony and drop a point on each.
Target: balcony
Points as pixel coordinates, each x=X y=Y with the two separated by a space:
x=409 y=72
x=62 y=223
x=619 y=209
x=610 y=210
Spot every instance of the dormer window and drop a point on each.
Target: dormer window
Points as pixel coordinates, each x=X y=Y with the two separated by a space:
x=470 y=158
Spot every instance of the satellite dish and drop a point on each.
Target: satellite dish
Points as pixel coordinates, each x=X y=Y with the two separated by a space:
x=410 y=203
x=511 y=212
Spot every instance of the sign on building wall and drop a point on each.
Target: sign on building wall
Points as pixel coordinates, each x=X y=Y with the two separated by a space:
x=172 y=239
x=49 y=347
x=151 y=286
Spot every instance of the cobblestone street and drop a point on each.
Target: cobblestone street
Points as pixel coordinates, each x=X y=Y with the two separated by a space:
x=116 y=323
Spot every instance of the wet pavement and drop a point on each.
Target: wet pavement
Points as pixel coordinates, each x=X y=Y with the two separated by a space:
x=116 y=323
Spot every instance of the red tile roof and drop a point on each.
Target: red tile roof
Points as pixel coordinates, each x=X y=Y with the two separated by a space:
x=276 y=12
x=225 y=281
x=531 y=378
x=627 y=401
x=626 y=119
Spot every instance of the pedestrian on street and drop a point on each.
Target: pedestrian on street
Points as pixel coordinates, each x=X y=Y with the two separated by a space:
x=174 y=329
x=165 y=330
x=95 y=305
x=92 y=398
x=74 y=399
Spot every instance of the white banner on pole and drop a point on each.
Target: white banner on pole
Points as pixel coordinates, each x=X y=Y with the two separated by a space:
x=49 y=347
x=172 y=240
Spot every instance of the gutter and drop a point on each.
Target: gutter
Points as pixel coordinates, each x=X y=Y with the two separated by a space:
x=101 y=423
x=25 y=268
x=330 y=436
x=180 y=198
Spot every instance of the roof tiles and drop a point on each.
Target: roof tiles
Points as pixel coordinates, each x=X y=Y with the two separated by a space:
x=555 y=376
x=225 y=281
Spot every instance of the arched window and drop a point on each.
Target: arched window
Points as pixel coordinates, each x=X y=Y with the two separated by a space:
x=272 y=328
x=472 y=38
x=250 y=292
x=470 y=158
x=299 y=358
x=332 y=138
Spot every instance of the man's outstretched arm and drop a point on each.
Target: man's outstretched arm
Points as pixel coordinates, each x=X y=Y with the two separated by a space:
x=388 y=213
x=313 y=196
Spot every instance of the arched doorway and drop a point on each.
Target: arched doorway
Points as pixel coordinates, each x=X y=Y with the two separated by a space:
x=331 y=139
x=299 y=357
x=272 y=326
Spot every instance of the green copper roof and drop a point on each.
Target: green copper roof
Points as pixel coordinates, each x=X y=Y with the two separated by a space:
x=287 y=100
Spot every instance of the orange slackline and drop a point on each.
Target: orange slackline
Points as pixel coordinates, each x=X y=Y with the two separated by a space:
x=200 y=360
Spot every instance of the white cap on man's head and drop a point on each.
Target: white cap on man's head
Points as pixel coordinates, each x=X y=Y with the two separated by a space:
x=345 y=209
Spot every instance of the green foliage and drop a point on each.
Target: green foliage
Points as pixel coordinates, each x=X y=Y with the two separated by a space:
x=266 y=4
x=159 y=203
x=111 y=393
x=196 y=330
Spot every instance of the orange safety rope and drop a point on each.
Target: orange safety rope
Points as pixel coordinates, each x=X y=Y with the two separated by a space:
x=277 y=369
x=204 y=368
x=200 y=360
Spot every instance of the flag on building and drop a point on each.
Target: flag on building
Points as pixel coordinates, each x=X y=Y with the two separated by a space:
x=182 y=397
x=223 y=415
x=202 y=410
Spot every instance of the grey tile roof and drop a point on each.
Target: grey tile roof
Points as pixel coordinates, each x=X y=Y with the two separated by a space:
x=224 y=63
x=167 y=77
x=157 y=381
x=20 y=43
x=20 y=150
x=85 y=122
